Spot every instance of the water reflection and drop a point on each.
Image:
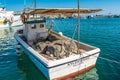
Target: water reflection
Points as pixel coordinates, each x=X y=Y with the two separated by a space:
x=6 y=32
x=6 y=38
x=90 y=75
x=28 y=70
x=8 y=68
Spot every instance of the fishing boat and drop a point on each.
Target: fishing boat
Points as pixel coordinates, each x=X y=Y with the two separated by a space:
x=55 y=55
x=7 y=18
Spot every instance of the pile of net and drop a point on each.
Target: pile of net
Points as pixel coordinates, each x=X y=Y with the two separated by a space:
x=58 y=48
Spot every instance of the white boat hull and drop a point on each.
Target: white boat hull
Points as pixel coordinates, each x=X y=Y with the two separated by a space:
x=63 y=68
x=17 y=22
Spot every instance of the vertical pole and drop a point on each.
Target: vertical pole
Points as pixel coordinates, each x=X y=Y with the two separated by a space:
x=34 y=4
x=35 y=15
x=24 y=5
x=78 y=20
x=78 y=26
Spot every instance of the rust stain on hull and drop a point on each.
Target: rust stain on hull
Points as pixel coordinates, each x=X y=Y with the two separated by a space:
x=67 y=77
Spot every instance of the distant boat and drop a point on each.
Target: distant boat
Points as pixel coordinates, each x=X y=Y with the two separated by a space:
x=7 y=18
x=55 y=55
x=90 y=17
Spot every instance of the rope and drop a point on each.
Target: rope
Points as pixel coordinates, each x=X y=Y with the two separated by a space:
x=106 y=59
x=74 y=32
x=51 y=25
x=57 y=28
x=71 y=41
x=109 y=60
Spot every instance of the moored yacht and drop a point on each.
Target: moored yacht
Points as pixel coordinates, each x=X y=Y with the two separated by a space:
x=8 y=19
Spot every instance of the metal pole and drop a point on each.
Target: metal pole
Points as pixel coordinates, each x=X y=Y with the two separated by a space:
x=34 y=4
x=78 y=20
x=78 y=25
x=24 y=4
x=35 y=15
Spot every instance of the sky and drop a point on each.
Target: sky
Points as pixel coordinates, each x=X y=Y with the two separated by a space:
x=108 y=6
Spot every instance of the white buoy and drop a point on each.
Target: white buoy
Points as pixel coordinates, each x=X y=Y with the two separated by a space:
x=18 y=46
x=18 y=49
x=60 y=33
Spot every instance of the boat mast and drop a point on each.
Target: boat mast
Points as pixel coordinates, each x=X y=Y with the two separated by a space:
x=24 y=5
x=78 y=25
x=35 y=15
x=78 y=20
x=34 y=4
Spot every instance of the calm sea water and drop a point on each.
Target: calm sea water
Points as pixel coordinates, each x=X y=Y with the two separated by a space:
x=102 y=32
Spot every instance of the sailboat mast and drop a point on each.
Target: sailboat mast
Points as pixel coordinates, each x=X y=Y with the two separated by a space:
x=24 y=5
x=34 y=4
x=78 y=20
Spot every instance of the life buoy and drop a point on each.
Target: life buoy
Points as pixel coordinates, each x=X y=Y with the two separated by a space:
x=11 y=19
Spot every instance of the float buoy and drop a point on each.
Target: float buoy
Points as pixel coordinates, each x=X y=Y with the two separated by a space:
x=18 y=49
